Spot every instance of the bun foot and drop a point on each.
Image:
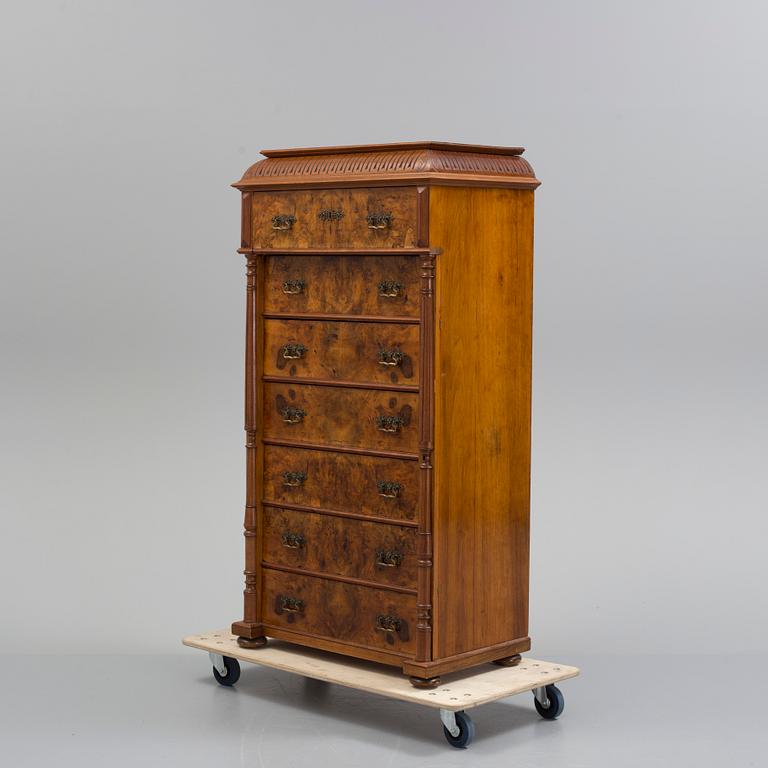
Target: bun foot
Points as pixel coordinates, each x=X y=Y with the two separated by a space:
x=424 y=682
x=509 y=661
x=252 y=642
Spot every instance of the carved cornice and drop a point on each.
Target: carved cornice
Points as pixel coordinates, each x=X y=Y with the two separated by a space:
x=414 y=163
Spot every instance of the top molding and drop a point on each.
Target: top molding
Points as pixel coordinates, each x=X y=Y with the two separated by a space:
x=418 y=162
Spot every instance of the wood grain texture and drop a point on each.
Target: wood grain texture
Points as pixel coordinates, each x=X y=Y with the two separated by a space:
x=482 y=416
x=363 y=353
x=342 y=481
x=347 y=285
x=352 y=229
x=339 y=611
x=341 y=417
x=339 y=546
x=414 y=163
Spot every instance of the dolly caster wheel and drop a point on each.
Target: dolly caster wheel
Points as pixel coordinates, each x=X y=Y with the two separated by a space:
x=424 y=683
x=252 y=642
x=508 y=661
x=226 y=670
x=458 y=728
x=549 y=701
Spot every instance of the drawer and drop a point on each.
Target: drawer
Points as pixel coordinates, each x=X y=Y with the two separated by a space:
x=341 y=546
x=371 y=419
x=375 y=618
x=383 y=217
x=383 y=286
x=344 y=482
x=371 y=353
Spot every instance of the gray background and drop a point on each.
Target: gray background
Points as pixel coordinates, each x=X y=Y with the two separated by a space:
x=122 y=296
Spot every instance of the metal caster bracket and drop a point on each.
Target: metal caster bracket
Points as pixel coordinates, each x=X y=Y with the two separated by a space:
x=218 y=663
x=540 y=694
x=449 y=721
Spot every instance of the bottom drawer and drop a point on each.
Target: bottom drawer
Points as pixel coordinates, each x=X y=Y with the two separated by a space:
x=374 y=618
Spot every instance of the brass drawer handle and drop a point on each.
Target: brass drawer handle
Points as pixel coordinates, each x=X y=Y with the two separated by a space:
x=389 y=558
x=387 y=623
x=293 y=286
x=390 y=356
x=379 y=220
x=292 y=415
x=293 y=540
x=294 y=479
x=390 y=288
x=330 y=214
x=293 y=351
x=389 y=423
x=283 y=221
x=388 y=489
x=290 y=604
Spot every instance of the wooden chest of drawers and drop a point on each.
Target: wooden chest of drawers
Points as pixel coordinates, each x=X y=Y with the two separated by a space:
x=388 y=381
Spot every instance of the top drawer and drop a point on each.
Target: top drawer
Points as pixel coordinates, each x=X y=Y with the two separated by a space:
x=383 y=217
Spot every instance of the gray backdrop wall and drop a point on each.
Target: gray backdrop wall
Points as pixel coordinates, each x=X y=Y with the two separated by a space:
x=122 y=295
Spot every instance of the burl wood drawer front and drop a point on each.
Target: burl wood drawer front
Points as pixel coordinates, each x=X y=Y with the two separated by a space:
x=374 y=618
x=370 y=353
x=371 y=419
x=344 y=482
x=383 y=286
x=384 y=217
x=341 y=546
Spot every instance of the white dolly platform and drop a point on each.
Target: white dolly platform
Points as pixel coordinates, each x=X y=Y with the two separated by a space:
x=457 y=693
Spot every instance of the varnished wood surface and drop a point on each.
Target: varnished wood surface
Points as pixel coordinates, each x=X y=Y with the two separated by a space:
x=339 y=546
x=351 y=230
x=482 y=416
x=343 y=481
x=341 y=417
x=445 y=146
x=346 y=285
x=339 y=611
x=342 y=351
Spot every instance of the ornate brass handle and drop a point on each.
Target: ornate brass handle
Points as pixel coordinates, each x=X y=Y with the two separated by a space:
x=293 y=351
x=379 y=220
x=387 y=623
x=390 y=288
x=389 y=558
x=293 y=286
x=294 y=479
x=283 y=221
x=293 y=540
x=389 y=489
x=330 y=214
x=390 y=356
x=290 y=604
x=389 y=423
x=292 y=415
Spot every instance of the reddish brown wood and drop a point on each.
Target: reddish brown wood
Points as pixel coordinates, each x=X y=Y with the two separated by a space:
x=347 y=418
x=345 y=482
x=335 y=218
x=341 y=547
x=347 y=285
x=339 y=611
x=363 y=353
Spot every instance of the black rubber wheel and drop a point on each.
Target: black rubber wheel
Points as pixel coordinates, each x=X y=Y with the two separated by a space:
x=233 y=672
x=466 y=731
x=556 y=703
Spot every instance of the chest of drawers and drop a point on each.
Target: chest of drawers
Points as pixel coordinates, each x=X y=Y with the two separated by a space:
x=387 y=403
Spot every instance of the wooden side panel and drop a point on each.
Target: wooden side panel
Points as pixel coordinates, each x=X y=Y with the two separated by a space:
x=344 y=482
x=342 y=284
x=367 y=353
x=357 y=549
x=347 y=418
x=482 y=415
